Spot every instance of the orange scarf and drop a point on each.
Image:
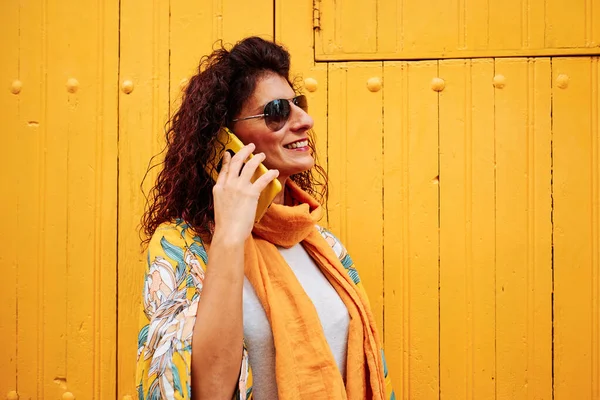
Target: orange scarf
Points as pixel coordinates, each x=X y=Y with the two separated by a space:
x=305 y=366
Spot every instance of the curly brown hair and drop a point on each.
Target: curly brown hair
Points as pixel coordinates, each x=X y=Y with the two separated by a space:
x=213 y=97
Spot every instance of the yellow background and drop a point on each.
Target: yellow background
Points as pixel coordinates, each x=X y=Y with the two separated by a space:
x=462 y=145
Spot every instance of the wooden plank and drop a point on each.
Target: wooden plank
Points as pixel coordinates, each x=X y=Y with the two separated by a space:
x=411 y=228
x=350 y=27
x=467 y=228
x=195 y=27
x=9 y=104
x=190 y=22
x=355 y=166
x=144 y=60
x=29 y=192
x=106 y=192
x=237 y=14
x=516 y=24
x=59 y=65
x=523 y=230
x=576 y=223
x=418 y=22
x=310 y=78
x=408 y=30
x=566 y=25
x=80 y=279
x=454 y=54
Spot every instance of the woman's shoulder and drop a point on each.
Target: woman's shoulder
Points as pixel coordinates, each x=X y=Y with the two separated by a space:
x=341 y=252
x=176 y=240
x=336 y=244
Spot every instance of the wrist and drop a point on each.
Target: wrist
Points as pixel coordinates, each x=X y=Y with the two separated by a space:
x=226 y=241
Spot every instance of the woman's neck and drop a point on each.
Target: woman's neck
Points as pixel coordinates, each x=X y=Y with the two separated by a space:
x=280 y=198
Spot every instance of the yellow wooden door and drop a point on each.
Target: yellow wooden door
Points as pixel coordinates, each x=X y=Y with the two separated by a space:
x=160 y=48
x=412 y=29
x=468 y=189
x=463 y=156
x=59 y=211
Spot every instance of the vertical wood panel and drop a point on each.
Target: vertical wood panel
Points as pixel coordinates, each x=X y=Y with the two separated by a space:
x=161 y=45
x=411 y=228
x=506 y=26
x=355 y=166
x=144 y=60
x=9 y=104
x=566 y=23
x=467 y=225
x=76 y=193
x=88 y=119
x=390 y=31
x=195 y=27
x=191 y=22
x=298 y=40
x=576 y=222
x=247 y=18
x=523 y=230
x=32 y=24
x=342 y=19
x=58 y=194
x=418 y=22
x=476 y=21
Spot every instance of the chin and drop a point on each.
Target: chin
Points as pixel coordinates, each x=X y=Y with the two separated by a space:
x=300 y=169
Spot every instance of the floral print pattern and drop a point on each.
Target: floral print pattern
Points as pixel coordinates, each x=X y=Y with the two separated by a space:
x=172 y=287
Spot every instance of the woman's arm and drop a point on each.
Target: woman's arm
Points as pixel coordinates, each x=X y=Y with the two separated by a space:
x=218 y=331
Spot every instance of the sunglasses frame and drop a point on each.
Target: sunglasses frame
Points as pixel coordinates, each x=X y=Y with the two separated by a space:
x=295 y=101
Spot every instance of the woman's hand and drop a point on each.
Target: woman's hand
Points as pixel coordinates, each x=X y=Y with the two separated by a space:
x=235 y=197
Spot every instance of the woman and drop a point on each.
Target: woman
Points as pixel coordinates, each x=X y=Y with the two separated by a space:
x=234 y=309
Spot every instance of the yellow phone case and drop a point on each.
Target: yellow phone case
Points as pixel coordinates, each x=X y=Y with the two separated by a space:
x=233 y=144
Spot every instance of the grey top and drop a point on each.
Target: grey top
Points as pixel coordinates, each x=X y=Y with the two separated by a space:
x=257 y=331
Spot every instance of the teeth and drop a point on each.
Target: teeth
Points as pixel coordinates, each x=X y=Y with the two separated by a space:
x=302 y=143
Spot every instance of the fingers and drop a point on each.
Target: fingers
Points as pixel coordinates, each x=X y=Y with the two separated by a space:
x=250 y=167
x=261 y=183
x=237 y=161
x=222 y=177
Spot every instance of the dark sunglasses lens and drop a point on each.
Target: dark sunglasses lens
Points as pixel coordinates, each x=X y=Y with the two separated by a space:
x=276 y=113
x=301 y=102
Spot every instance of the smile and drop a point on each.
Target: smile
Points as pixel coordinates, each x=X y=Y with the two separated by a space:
x=298 y=144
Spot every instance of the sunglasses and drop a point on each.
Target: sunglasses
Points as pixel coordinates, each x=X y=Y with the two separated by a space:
x=277 y=112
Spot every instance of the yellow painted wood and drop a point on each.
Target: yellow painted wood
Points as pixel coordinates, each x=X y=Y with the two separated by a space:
x=340 y=21
x=149 y=34
x=572 y=24
x=459 y=269
x=144 y=61
x=298 y=40
x=62 y=162
x=410 y=226
x=576 y=228
x=409 y=29
x=31 y=133
x=196 y=26
x=442 y=55
x=247 y=18
x=355 y=167
x=83 y=275
x=518 y=24
x=9 y=109
x=523 y=230
x=467 y=228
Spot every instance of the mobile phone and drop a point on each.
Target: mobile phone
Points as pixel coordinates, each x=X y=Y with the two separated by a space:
x=232 y=144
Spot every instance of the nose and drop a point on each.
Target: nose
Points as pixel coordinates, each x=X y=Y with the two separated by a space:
x=300 y=121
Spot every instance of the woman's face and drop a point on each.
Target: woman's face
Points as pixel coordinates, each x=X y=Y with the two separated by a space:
x=286 y=149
